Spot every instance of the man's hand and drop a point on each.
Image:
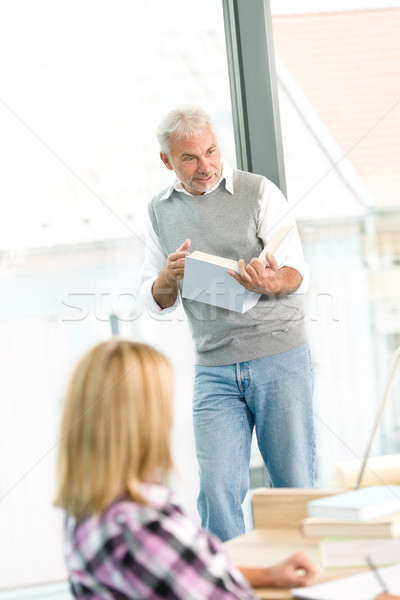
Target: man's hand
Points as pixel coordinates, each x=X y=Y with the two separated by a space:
x=165 y=287
x=267 y=280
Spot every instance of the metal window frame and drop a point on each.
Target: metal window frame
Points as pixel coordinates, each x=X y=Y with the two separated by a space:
x=254 y=89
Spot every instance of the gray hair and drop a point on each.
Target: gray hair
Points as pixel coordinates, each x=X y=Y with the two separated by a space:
x=183 y=123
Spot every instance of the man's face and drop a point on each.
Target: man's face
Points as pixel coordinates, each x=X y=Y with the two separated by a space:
x=196 y=161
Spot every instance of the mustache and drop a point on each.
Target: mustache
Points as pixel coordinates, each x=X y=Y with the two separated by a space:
x=205 y=175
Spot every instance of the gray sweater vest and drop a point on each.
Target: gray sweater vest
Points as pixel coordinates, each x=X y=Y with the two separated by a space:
x=226 y=225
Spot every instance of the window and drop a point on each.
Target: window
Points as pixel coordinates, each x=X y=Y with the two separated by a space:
x=339 y=100
x=84 y=87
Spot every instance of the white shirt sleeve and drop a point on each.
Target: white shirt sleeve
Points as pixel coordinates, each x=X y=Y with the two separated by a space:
x=154 y=261
x=275 y=212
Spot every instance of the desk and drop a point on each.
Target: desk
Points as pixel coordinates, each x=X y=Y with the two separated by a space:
x=264 y=547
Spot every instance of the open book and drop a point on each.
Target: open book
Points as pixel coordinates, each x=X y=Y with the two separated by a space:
x=207 y=279
x=362 y=586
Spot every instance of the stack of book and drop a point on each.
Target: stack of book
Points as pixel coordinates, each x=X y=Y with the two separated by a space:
x=283 y=508
x=355 y=524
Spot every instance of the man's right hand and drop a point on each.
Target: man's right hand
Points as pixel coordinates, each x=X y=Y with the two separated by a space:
x=165 y=287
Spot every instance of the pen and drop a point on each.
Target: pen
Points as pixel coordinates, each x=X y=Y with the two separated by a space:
x=376 y=573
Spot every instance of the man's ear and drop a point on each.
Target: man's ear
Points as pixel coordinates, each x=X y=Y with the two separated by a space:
x=166 y=160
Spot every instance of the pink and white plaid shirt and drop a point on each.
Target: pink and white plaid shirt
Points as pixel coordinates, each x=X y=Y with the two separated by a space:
x=148 y=551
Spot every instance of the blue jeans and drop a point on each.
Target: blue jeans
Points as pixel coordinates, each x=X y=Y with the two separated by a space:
x=272 y=394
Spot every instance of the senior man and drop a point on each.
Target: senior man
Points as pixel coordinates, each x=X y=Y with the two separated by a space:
x=252 y=370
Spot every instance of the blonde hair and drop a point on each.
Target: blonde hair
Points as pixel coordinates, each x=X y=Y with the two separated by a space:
x=115 y=428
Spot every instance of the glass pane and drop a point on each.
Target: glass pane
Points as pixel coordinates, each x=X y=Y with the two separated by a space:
x=339 y=100
x=85 y=84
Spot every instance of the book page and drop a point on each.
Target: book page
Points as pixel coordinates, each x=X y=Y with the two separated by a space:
x=274 y=243
x=363 y=586
x=227 y=263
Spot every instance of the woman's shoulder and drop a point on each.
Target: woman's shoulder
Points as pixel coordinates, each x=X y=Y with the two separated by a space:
x=140 y=525
x=123 y=521
x=157 y=504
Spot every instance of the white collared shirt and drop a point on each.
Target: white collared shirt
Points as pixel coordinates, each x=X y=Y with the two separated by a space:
x=274 y=212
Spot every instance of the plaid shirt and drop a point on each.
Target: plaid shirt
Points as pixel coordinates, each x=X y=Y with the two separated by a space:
x=148 y=551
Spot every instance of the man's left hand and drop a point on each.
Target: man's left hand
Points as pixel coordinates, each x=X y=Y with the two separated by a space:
x=267 y=280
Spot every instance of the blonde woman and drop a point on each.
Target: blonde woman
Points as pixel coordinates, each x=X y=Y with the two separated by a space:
x=126 y=537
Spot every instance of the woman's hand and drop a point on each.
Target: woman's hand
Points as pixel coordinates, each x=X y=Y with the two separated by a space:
x=295 y=571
